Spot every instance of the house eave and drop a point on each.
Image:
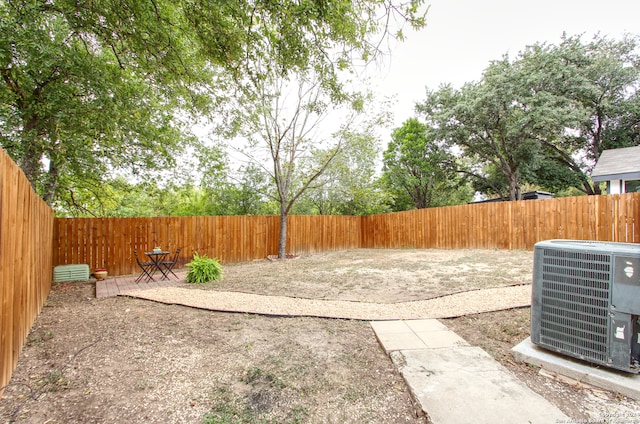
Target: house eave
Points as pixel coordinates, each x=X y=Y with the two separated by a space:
x=627 y=176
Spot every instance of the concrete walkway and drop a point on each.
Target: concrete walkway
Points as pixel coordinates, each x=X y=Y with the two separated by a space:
x=456 y=383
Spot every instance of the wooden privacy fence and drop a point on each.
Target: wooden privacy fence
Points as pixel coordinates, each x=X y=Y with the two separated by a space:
x=508 y=225
x=109 y=242
x=26 y=234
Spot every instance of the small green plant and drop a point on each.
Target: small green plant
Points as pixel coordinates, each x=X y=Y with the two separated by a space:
x=37 y=338
x=203 y=270
x=56 y=381
x=255 y=375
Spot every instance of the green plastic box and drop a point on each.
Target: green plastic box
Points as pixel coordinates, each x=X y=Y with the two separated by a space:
x=74 y=272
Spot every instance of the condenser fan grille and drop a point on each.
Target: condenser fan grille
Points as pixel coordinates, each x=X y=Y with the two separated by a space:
x=575 y=302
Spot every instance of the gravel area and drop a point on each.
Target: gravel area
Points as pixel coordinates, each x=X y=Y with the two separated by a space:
x=449 y=306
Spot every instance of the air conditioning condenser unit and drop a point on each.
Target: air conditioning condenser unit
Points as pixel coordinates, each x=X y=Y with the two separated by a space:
x=586 y=301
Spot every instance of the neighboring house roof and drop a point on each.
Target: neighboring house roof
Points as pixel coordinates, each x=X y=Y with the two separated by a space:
x=618 y=164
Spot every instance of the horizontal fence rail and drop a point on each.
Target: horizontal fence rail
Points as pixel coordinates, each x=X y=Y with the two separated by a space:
x=109 y=242
x=26 y=234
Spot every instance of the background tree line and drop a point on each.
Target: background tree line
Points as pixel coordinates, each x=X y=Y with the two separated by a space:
x=538 y=122
x=99 y=102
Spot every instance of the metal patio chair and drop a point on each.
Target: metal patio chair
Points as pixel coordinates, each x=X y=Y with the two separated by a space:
x=171 y=263
x=148 y=268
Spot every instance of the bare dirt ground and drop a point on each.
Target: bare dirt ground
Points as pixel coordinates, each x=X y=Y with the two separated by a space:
x=121 y=359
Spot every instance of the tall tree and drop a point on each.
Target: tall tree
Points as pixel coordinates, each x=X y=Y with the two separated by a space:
x=600 y=79
x=498 y=121
x=92 y=87
x=74 y=104
x=287 y=94
x=545 y=117
x=288 y=124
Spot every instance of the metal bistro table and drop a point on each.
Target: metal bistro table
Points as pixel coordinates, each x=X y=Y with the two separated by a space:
x=157 y=256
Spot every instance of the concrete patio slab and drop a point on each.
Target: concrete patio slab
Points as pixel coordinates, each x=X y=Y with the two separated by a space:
x=415 y=334
x=605 y=378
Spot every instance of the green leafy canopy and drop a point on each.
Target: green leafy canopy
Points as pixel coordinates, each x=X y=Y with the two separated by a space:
x=545 y=117
x=103 y=87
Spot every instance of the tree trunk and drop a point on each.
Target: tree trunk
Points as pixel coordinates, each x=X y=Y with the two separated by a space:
x=282 y=240
x=590 y=189
x=514 y=189
x=30 y=163
x=51 y=185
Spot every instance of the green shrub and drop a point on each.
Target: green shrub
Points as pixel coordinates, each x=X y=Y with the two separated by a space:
x=203 y=270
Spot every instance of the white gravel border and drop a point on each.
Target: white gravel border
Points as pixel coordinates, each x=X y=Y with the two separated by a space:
x=454 y=305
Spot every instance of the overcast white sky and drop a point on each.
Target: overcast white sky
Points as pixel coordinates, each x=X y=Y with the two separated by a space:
x=463 y=36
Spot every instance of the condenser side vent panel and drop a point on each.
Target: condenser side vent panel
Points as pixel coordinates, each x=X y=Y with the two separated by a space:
x=575 y=302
